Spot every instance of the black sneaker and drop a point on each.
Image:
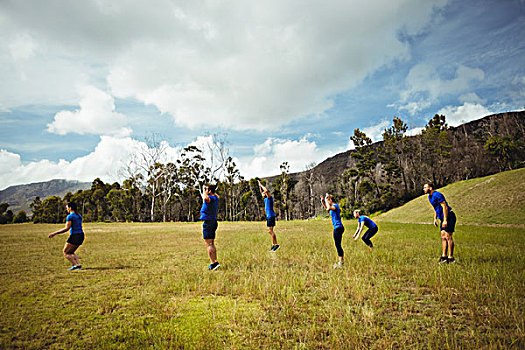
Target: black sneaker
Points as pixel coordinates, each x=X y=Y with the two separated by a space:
x=451 y=260
x=443 y=260
x=275 y=247
x=214 y=266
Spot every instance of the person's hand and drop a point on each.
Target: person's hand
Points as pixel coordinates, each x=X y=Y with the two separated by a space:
x=205 y=188
x=436 y=223
x=444 y=223
x=355 y=236
x=51 y=235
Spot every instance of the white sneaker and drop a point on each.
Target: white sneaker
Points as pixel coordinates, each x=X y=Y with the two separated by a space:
x=338 y=265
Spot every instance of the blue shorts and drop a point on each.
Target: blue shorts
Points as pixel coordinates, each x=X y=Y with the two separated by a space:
x=451 y=223
x=76 y=239
x=270 y=222
x=208 y=229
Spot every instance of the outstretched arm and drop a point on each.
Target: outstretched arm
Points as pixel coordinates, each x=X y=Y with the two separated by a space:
x=359 y=229
x=65 y=229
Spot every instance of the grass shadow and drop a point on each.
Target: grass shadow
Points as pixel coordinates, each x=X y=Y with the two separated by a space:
x=102 y=268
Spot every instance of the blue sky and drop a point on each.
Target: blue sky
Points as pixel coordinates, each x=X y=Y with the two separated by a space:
x=85 y=82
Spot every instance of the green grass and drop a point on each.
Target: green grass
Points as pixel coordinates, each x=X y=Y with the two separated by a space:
x=495 y=199
x=146 y=286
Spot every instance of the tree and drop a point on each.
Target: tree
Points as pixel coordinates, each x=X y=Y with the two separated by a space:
x=284 y=186
x=6 y=216
x=436 y=148
x=366 y=159
x=53 y=210
x=505 y=149
x=36 y=207
x=232 y=175
x=21 y=217
x=192 y=177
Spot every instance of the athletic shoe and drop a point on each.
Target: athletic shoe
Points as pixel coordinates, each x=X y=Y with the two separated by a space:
x=451 y=260
x=338 y=265
x=275 y=247
x=75 y=267
x=214 y=266
x=443 y=260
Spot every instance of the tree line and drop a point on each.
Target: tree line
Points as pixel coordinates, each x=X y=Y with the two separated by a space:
x=376 y=177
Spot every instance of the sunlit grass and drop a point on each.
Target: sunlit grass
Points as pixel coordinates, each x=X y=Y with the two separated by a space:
x=146 y=285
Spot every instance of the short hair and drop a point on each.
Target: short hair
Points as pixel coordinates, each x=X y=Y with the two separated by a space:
x=430 y=184
x=72 y=205
x=357 y=211
x=212 y=188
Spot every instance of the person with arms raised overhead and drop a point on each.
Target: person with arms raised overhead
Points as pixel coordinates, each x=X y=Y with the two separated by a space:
x=270 y=215
x=210 y=204
x=335 y=212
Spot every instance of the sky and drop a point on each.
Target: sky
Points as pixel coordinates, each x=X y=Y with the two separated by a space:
x=85 y=83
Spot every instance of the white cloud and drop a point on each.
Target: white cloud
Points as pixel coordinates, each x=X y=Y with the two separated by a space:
x=236 y=64
x=109 y=156
x=425 y=86
x=457 y=115
x=96 y=116
x=273 y=152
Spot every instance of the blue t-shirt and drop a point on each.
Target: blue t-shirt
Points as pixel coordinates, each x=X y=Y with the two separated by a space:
x=268 y=206
x=368 y=223
x=336 y=216
x=435 y=199
x=209 y=210
x=76 y=223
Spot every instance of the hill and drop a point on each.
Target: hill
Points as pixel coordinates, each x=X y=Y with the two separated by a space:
x=19 y=197
x=494 y=199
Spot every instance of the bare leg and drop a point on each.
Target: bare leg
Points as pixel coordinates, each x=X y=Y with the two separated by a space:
x=69 y=254
x=212 y=251
x=444 y=242
x=450 y=243
x=272 y=235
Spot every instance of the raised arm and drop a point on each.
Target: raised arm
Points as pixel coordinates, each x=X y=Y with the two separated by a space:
x=204 y=194
x=264 y=190
x=323 y=202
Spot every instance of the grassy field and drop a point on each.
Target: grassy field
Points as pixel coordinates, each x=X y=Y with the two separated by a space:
x=146 y=286
x=495 y=199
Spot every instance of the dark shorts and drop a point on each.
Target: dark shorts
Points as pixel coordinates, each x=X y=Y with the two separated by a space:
x=208 y=229
x=451 y=223
x=270 y=222
x=76 y=239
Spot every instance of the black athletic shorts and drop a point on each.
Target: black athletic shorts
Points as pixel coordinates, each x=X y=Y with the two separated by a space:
x=208 y=229
x=76 y=239
x=270 y=222
x=451 y=223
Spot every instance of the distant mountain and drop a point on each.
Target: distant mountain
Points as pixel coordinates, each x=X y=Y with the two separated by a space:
x=20 y=196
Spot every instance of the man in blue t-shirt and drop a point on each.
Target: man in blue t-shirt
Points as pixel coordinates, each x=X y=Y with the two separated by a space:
x=335 y=212
x=444 y=213
x=362 y=221
x=270 y=215
x=210 y=204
